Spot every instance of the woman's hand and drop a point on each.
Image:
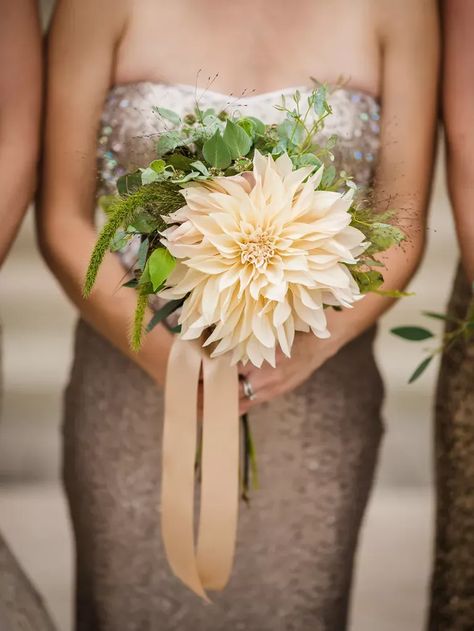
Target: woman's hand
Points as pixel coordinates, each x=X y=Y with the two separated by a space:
x=308 y=354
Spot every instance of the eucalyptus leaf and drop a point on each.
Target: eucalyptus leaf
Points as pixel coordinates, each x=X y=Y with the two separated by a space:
x=237 y=140
x=149 y=175
x=320 y=100
x=292 y=131
x=167 y=142
x=194 y=175
x=160 y=265
x=201 y=167
x=216 y=152
x=329 y=175
x=168 y=114
x=331 y=142
x=421 y=369
x=412 y=333
x=306 y=159
x=119 y=241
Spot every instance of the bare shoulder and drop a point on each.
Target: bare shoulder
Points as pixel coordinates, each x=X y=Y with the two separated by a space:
x=86 y=18
x=20 y=44
x=19 y=21
x=459 y=12
x=458 y=20
x=408 y=21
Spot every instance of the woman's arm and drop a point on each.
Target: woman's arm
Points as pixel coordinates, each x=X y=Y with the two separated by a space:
x=458 y=109
x=410 y=50
x=20 y=105
x=409 y=96
x=81 y=56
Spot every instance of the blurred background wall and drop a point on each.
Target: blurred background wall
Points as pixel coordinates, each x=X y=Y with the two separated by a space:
x=394 y=558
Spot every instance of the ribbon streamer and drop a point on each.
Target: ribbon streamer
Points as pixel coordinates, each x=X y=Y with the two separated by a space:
x=209 y=566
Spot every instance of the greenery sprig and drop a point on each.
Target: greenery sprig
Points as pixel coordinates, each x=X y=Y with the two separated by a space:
x=458 y=330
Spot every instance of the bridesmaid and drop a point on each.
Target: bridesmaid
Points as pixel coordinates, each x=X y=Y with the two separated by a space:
x=452 y=594
x=21 y=608
x=317 y=416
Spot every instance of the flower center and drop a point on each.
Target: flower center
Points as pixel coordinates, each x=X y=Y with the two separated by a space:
x=258 y=248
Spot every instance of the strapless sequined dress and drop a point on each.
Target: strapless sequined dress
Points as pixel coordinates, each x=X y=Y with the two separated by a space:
x=317 y=446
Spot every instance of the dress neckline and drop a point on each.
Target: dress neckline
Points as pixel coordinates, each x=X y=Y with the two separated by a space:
x=203 y=92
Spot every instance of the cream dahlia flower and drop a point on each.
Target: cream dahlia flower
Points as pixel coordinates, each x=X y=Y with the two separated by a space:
x=260 y=255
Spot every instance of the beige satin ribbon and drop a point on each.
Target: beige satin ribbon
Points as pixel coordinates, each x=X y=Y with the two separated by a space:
x=210 y=566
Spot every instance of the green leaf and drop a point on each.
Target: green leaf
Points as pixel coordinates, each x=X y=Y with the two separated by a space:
x=149 y=175
x=383 y=236
x=438 y=316
x=329 y=175
x=158 y=166
x=132 y=284
x=167 y=309
x=252 y=126
x=320 y=104
x=160 y=264
x=201 y=167
x=143 y=253
x=292 y=131
x=331 y=142
x=306 y=159
x=119 y=241
x=127 y=184
x=190 y=176
x=216 y=152
x=367 y=281
x=167 y=142
x=180 y=162
x=412 y=333
x=237 y=140
x=168 y=114
x=421 y=369
x=393 y=293
x=144 y=222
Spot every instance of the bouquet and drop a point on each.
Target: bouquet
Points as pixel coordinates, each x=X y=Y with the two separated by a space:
x=247 y=230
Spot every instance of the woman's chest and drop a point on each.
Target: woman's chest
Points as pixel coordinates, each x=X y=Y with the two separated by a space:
x=252 y=47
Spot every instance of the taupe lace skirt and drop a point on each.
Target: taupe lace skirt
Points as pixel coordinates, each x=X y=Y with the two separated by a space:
x=452 y=597
x=317 y=449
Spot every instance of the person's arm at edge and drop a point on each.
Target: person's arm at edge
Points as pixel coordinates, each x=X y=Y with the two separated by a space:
x=20 y=113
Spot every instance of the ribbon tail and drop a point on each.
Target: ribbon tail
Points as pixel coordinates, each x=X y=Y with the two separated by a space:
x=179 y=453
x=220 y=473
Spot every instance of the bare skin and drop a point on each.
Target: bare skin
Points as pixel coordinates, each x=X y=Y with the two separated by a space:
x=388 y=49
x=20 y=111
x=458 y=115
